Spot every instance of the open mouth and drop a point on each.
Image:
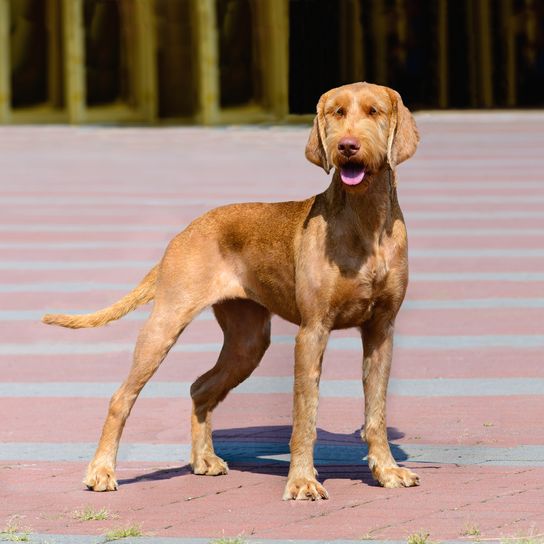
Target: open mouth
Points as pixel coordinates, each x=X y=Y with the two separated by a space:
x=352 y=173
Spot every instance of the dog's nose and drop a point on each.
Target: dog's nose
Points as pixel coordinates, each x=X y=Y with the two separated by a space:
x=348 y=146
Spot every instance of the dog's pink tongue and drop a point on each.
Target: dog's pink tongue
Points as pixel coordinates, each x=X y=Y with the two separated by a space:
x=352 y=174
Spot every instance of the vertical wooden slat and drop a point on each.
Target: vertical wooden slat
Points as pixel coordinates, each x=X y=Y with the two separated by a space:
x=401 y=24
x=261 y=51
x=509 y=32
x=276 y=48
x=442 y=32
x=531 y=29
x=379 y=30
x=344 y=31
x=486 y=56
x=207 y=63
x=54 y=58
x=351 y=41
x=5 y=90
x=358 y=37
x=472 y=53
x=146 y=68
x=74 y=59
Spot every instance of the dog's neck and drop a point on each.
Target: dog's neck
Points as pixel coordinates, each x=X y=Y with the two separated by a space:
x=371 y=211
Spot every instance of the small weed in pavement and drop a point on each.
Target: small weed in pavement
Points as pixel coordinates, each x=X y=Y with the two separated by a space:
x=228 y=541
x=88 y=514
x=14 y=537
x=123 y=532
x=419 y=538
x=471 y=530
x=13 y=533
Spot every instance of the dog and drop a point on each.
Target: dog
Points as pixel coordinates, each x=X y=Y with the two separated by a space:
x=336 y=260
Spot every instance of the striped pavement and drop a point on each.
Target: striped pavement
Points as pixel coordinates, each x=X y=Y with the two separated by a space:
x=85 y=212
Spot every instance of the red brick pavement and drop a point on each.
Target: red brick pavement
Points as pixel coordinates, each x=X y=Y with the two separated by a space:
x=134 y=188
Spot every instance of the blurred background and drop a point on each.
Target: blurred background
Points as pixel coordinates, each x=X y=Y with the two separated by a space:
x=250 y=61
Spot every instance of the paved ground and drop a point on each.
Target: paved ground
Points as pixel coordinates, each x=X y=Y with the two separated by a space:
x=84 y=214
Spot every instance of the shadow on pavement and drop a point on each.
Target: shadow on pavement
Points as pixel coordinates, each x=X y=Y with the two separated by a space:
x=265 y=450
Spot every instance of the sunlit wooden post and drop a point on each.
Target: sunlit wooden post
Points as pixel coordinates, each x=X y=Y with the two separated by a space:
x=275 y=46
x=146 y=69
x=5 y=94
x=74 y=59
x=207 y=64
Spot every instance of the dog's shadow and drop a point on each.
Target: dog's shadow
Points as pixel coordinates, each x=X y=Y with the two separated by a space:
x=265 y=450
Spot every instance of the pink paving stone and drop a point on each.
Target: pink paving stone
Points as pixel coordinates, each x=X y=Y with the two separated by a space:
x=474 y=290
x=176 y=219
x=463 y=191
x=492 y=363
x=78 y=301
x=125 y=272
x=278 y=361
x=124 y=331
x=413 y=205
x=492 y=421
x=85 y=254
x=517 y=242
x=156 y=248
x=447 y=322
x=109 y=216
x=492 y=264
x=155 y=163
x=472 y=264
x=450 y=322
x=66 y=237
x=504 y=222
x=128 y=275
x=248 y=502
x=177 y=188
x=416 y=291
x=409 y=205
x=140 y=239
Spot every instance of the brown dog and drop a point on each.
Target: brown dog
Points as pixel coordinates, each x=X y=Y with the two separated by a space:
x=336 y=260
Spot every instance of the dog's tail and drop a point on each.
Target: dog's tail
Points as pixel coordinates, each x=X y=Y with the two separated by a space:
x=143 y=293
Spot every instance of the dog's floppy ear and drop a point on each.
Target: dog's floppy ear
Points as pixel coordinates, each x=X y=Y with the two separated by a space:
x=403 y=135
x=315 y=148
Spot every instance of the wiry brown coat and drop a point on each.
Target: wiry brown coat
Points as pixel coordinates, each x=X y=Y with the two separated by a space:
x=336 y=260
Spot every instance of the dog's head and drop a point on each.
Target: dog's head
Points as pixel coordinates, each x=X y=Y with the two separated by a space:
x=360 y=129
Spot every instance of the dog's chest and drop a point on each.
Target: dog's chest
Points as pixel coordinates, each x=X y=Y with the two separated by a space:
x=355 y=294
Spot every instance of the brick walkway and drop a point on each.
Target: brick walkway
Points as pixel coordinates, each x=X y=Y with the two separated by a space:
x=84 y=214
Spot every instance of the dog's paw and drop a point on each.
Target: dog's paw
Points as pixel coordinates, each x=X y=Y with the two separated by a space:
x=210 y=465
x=100 y=478
x=304 y=489
x=396 y=477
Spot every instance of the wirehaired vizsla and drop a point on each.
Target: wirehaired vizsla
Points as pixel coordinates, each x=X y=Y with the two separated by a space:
x=336 y=260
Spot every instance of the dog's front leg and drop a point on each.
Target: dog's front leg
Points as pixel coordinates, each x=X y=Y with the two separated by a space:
x=378 y=347
x=301 y=482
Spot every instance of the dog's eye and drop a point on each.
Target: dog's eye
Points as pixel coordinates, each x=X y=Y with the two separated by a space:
x=339 y=112
x=372 y=111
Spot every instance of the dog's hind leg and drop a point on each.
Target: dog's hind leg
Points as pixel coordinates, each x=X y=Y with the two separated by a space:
x=192 y=275
x=246 y=328
x=156 y=338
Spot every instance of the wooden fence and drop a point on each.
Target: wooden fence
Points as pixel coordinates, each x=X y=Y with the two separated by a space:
x=245 y=61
